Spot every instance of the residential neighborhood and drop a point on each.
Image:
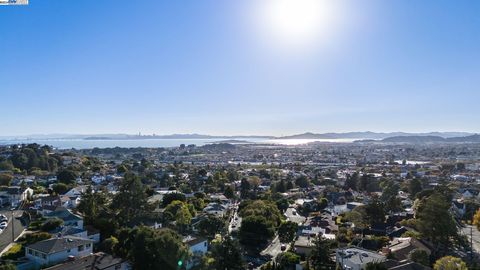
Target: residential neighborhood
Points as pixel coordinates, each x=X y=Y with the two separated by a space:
x=401 y=206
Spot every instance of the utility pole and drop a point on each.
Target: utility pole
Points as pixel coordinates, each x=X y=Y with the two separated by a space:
x=13 y=225
x=471 y=243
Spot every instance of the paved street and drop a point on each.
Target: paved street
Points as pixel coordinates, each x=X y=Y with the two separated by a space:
x=236 y=220
x=6 y=235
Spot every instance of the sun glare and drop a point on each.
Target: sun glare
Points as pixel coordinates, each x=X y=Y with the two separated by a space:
x=294 y=23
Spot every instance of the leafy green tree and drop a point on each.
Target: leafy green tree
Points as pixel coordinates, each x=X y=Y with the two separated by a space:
x=5 y=179
x=256 y=230
x=51 y=224
x=210 y=226
x=322 y=203
x=152 y=249
x=435 y=222
x=420 y=256
x=375 y=211
x=8 y=266
x=227 y=255
x=282 y=204
x=108 y=245
x=174 y=196
x=130 y=202
x=67 y=177
x=178 y=211
x=92 y=204
x=450 y=263
x=60 y=188
x=320 y=255
x=414 y=187
x=302 y=181
x=229 y=192
x=352 y=181
x=287 y=231
x=287 y=260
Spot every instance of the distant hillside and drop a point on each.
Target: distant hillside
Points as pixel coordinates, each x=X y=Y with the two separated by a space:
x=414 y=139
x=368 y=135
x=432 y=139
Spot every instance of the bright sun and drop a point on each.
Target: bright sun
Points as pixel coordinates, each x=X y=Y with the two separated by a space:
x=294 y=23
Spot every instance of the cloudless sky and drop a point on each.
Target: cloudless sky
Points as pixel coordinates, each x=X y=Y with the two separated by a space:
x=203 y=66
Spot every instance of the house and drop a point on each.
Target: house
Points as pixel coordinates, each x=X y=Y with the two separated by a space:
x=55 y=250
x=215 y=209
x=402 y=247
x=97 y=261
x=304 y=245
x=69 y=219
x=17 y=194
x=198 y=247
x=354 y=258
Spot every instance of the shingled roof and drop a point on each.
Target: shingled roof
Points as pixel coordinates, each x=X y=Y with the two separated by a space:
x=55 y=245
x=97 y=261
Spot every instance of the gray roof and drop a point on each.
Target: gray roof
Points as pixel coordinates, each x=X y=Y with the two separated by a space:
x=96 y=261
x=55 y=245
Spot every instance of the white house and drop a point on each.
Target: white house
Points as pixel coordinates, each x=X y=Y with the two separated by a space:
x=55 y=250
x=198 y=247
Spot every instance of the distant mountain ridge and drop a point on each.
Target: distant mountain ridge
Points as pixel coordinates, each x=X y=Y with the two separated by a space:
x=362 y=136
x=431 y=139
x=373 y=135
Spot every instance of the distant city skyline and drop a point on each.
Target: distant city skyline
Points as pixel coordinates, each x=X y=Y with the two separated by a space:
x=239 y=67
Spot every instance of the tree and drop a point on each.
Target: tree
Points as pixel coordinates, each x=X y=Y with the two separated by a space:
x=227 y=255
x=60 y=188
x=229 y=192
x=450 y=263
x=375 y=211
x=67 y=177
x=178 y=211
x=320 y=255
x=108 y=245
x=322 y=203
x=352 y=181
x=8 y=266
x=256 y=230
x=5 y=179
x=287 y=231
x=434 y=220
x=420 y=256
x=287 y=260
x=476 y=219
x=414 y=187
x=174 y=196
x=245 y=188
x=51 y=224
x=91 y=204
x=210 y=226
x=152 y=249
x=302 y=181
x=130 y=203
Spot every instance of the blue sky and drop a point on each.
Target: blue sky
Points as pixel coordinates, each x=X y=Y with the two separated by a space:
x=204 y=66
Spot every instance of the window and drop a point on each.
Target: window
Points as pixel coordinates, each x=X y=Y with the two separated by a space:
x=88 y=245
x=44 y=256
x=68 y=251
x=81 y=248
x=30 y=251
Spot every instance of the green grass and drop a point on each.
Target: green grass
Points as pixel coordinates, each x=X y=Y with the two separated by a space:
x=15 y=252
